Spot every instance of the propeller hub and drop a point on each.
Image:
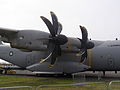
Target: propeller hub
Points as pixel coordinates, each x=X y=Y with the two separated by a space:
x=60 y=39
x=90 y=45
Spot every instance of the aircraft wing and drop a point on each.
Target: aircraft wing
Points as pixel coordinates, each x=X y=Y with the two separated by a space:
x=6 y=34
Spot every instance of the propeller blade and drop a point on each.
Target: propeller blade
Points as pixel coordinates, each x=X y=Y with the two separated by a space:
x=83 y=55
x=53 y=60
x=55 y=54
x=51 y=49
x=43 y=60
x=55 y=21
x=59 y=28
x=49 y=25
x=84 y=34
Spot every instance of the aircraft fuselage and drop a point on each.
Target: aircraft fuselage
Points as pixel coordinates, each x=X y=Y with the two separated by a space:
x=103 y=57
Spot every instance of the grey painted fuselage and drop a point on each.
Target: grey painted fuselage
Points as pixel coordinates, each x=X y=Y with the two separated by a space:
x=103 y=57
x=106 y=56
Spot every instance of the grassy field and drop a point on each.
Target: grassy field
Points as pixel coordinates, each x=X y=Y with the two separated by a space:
x=8 y=81
x=30 y=81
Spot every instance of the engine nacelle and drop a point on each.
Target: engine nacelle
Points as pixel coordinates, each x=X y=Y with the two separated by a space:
x=38 y=41
x=73 y=45
x=30 y=40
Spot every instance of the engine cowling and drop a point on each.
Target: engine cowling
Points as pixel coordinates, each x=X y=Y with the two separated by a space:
x=30 y=40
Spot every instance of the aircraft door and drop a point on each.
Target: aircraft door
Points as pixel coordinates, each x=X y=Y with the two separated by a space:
x=110 y=62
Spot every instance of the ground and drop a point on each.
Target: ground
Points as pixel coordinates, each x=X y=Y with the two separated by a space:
x=10 y=80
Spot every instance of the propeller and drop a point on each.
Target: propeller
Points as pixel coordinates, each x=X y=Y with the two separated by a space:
x=56 y=39
x=85 y=44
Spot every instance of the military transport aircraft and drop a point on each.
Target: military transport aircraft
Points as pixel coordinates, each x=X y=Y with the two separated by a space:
x=53 y=52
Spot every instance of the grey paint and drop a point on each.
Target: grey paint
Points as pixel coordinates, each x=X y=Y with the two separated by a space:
x=105 y=58
x=32 y=46
x=69 y=64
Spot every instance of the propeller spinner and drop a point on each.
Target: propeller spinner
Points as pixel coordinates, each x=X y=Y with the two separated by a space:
x=56 y=39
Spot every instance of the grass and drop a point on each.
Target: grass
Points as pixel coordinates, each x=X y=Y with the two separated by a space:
x=28 y=81
x=8 y=81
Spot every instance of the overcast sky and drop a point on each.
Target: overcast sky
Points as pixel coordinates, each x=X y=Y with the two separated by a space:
x=100 y=17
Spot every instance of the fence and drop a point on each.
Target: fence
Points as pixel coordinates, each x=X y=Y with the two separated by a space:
x=64 y=87
x=114 y=86
x=79 y=86
x=17 y=88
